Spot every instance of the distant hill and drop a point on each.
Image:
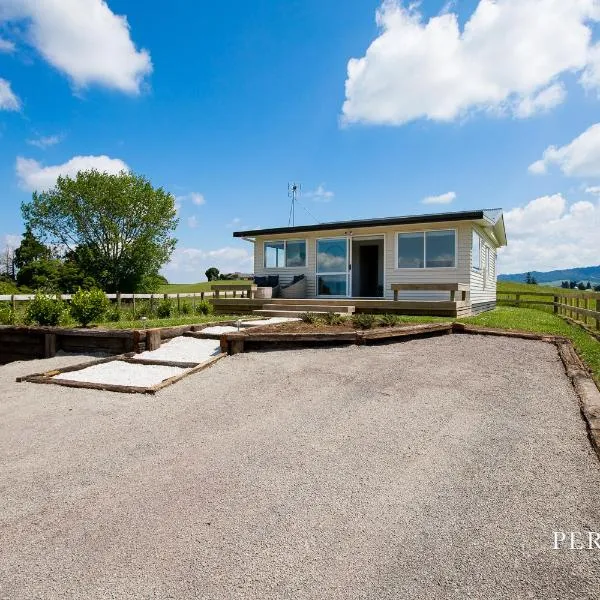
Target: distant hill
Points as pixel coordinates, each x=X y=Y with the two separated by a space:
x=585 y=274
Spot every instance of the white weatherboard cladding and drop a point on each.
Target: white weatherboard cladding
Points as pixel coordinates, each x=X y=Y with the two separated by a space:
x=459 y=274
x=483 y=281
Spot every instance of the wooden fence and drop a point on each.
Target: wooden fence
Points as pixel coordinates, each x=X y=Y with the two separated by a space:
x=583 y=307
x=129 y=299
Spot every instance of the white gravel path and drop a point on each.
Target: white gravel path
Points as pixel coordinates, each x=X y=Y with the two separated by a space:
x=271 y=321
x=117 y=372
x=184 y=349
x=219 y=329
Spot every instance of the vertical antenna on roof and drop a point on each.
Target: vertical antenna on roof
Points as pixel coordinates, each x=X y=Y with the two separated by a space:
x=293 y=193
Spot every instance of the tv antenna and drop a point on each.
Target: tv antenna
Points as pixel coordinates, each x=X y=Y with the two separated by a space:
x=293 y=193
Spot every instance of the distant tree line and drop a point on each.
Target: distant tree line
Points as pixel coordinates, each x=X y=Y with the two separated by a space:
x=213 y=274
x=579 y=285
x=113 y=232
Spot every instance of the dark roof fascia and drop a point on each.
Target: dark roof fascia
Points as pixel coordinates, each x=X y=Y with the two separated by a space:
x=410 y=220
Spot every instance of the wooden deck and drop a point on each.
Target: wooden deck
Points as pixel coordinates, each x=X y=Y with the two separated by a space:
x=438 y=308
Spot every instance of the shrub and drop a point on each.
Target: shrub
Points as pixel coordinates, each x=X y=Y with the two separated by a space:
x=165 y=308
x=44 y=309
x=113 y=314
x=390 y=320
x=310 y=317
x=143 y=308
x=88 y=305
x=364 y=321
x=185 y=309
x=204 y=307
x=6 y=314
x=332 y=318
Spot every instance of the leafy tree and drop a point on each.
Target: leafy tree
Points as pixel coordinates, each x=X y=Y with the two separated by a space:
x=117 y=228
x=564 y=285
x=588 y=286
x=212 y=273
x=581 y=286
x=30 y=250
x=529 y=278
x=41 y=273
x=597 y=288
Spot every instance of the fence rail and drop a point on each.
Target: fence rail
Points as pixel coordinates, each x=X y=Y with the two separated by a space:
x=583 y=307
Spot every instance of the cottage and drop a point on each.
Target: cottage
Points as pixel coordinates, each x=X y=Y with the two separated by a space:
x=414 y=264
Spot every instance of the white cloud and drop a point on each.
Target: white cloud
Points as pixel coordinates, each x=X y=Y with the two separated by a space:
x=193 y=197
x=234 y=222
x=189 y=264
x=594 y=190
x=34 y=176
x=10 y=240
x=446 y=198
x=548 y=233
x=192 y=222
x=84 y=39
x=46 y=141
x=507 y=59
x=579 y=158
x=8 y=99
x=6 y=46
x=320 y=194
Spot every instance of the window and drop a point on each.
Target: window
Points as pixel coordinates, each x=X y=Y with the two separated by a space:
x=287 y=253
x=427 y=249
x=476 y=252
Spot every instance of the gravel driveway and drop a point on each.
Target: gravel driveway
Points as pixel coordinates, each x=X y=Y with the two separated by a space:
x=436 y=468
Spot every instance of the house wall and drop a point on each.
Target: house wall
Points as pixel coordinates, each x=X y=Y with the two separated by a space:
x=483 y=281
x=461 y=273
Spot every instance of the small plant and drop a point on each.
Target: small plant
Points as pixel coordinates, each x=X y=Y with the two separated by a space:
x=44 y=309
x=364 y=321
x=332 y=318
x=390 y=320
x=88 y=306
x=186 y=309
x=310 y=317
x=204 y=307
x=165 y=308
x=7 y=316
x=113 y=314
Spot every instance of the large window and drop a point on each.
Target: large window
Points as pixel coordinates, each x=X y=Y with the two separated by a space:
x=427 y=249
x=476 y=252
x=286 y=253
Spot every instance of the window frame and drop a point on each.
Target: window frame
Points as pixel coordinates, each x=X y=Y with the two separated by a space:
x=425 y=232
x=285 y=243
x=477 y=268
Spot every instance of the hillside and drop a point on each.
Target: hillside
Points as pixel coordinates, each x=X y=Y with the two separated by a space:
x=585 y=274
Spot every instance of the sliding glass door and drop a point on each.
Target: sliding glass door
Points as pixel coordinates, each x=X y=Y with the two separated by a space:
x=333 y=271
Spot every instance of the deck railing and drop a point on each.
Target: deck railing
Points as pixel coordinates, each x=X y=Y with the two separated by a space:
x=583 y=307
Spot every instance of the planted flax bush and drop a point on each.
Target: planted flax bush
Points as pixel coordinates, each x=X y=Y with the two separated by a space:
x=364 y=321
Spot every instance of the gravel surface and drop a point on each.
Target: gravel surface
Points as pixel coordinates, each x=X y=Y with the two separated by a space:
x=435 y=468
x=270 y=321
x=219 y=329
x=118 y=372
x=183 y=349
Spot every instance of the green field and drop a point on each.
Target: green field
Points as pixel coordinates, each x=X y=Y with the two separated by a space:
x=190 y=288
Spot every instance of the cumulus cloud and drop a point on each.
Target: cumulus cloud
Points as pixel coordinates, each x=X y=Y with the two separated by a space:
x=84 y=39
x=320 y=194
x=10 y=240
x=194 y=197
x=45 y=141
x=507 y=59
x=8 y=99
x=33 y=176
x=549 y=233
x=6 y=46
x=446 y=198
x=189 y=264
x=579 y=158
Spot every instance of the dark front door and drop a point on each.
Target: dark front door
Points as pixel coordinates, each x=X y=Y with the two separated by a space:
x=369 y=270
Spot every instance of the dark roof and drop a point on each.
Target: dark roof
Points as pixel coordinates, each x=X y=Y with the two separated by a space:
x=491 y=216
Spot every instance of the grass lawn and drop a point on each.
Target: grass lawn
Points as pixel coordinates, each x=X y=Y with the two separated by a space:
x=539 y=321
x=170 y=322
x=189 y=288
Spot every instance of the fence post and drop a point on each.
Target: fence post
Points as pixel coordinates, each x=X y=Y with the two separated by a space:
x=517 y=299
x=201 y=295
x=178 y=306
x=194 y=302
x=555 y=305
x=119 y=301
x=133 y=296
x=152 y=303
x=13 y=304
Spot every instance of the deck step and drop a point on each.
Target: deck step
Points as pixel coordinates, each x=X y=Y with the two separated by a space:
x=309 y=307
x=293 y=313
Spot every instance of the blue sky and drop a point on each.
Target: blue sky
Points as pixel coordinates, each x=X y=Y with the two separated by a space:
x=377 y=109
